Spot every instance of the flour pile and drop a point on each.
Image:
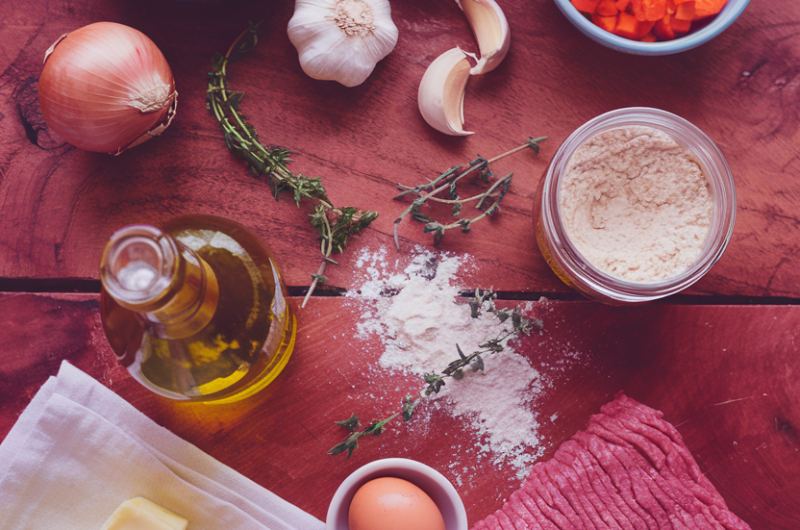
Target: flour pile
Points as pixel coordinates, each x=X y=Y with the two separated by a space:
x=416 y=315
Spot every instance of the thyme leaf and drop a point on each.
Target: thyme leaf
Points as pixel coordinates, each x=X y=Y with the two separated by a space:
x=334 y=225
x=350 y=443
x=350 y=423
x=487 y=201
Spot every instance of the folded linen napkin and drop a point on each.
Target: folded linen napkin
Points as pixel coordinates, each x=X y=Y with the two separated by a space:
x=79 y=450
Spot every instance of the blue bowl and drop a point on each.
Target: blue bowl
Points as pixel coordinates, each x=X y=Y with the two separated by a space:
x=718 y=24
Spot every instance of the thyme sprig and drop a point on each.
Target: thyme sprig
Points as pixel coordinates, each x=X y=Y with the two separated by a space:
x=448 y=181
x=479 y=301
x=350 y=443
x=333 y=224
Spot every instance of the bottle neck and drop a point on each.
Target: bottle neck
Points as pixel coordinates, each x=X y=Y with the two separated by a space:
x=166 y=283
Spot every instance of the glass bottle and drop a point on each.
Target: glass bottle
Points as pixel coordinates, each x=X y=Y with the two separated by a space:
x=196 y=309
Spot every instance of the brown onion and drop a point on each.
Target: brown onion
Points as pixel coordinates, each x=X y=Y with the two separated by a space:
x=106 y=87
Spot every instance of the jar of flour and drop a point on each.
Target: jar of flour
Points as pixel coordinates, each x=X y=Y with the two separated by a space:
x=637 y=204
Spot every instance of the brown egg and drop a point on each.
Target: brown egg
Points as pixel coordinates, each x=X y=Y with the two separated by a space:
x=390 y=503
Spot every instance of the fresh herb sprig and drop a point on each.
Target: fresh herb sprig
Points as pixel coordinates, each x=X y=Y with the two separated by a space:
x=333 y=224
x=479 y=301
x=350 y=443
x=488 y=201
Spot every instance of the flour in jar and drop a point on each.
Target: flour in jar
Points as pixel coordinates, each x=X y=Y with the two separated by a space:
x=636 y=204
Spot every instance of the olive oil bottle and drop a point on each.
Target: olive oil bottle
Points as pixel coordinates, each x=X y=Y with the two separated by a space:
x=196 y=309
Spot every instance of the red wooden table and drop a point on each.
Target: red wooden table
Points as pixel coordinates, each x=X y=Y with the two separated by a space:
x=721 y=361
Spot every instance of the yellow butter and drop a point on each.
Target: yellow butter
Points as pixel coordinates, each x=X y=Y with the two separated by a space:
x=141 y=514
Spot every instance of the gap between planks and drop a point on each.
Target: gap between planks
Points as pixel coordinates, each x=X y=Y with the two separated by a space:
x=85 y=285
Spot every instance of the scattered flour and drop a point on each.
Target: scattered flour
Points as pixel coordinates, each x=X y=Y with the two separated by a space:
x=636 y=204
x=416 y=316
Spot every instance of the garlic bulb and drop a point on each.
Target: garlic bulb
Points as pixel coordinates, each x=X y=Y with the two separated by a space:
x=342 y=40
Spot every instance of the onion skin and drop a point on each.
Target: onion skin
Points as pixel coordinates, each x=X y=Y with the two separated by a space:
x=106 y=87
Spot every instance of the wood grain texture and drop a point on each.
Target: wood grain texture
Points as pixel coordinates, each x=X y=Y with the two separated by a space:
x=726 y=377
x=60 y=204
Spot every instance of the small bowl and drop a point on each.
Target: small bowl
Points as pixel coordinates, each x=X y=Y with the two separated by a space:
x=426 y=478
x=718 y=24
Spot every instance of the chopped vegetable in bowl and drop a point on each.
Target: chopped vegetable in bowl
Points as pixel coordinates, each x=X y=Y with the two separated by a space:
x=649 y=20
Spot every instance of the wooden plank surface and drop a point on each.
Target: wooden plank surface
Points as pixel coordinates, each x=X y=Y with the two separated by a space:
x=726 y=376
x=60 y=204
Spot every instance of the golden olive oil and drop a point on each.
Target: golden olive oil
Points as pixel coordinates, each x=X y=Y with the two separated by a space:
x=196 y=309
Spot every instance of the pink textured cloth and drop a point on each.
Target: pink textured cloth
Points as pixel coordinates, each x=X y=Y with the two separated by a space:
x=629 y=470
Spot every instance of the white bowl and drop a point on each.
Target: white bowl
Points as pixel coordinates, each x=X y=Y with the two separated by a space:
x=424 y=477
x=717 y=25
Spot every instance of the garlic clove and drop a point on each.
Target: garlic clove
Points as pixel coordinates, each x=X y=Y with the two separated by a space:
x=490 y=27
x=441 y=92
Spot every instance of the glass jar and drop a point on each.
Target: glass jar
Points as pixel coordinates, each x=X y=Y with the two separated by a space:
x=574 y=269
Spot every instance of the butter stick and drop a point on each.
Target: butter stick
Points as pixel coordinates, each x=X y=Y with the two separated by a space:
x=141 y=514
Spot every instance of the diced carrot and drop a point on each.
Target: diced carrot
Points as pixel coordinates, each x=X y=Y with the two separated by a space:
x=650 y=10
x=663 y=29
x=706 y=8
x=645 y=20
x=638 y=9
x=685 y=11
x=606 y=23
x=627 y=26
x=645 y=28
x=585 y=6
x=680 y=26
x=607 y=8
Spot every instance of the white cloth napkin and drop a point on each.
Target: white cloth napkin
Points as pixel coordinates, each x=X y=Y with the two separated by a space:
x=79 y=450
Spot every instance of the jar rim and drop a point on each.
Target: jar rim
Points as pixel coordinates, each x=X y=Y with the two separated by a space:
x=720 y=181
